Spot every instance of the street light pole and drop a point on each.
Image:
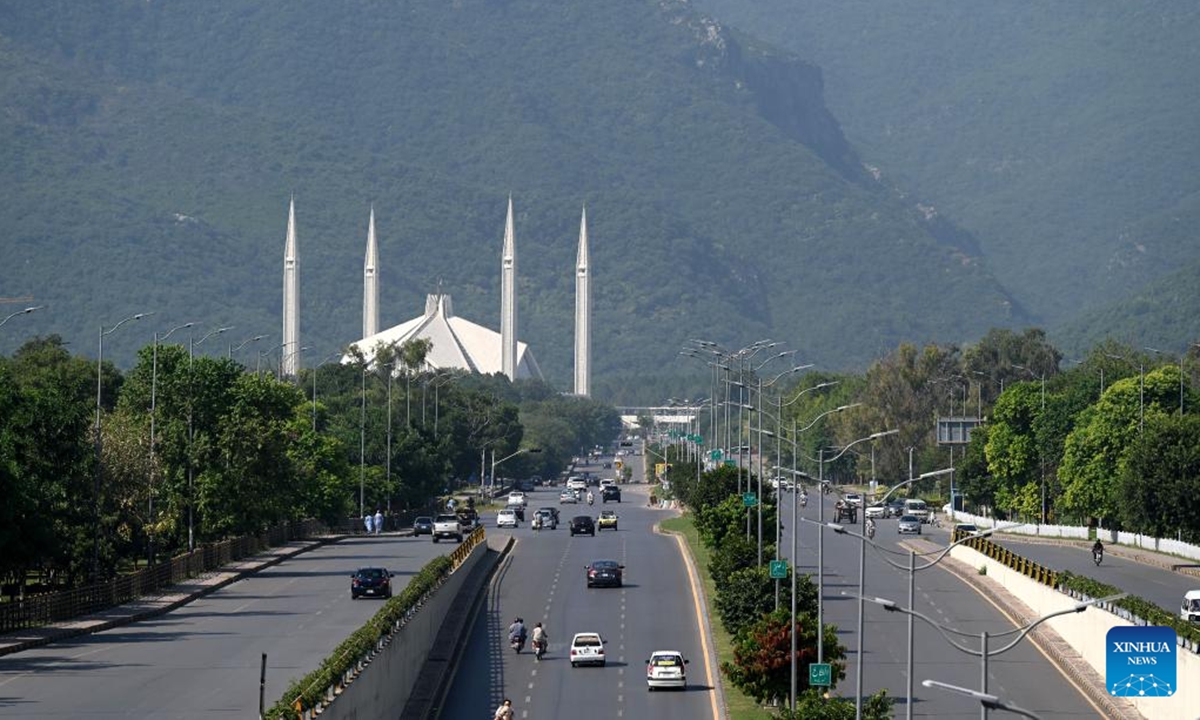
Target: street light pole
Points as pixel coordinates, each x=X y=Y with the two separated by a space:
x=96 y=475
x=26 y=311
x=153 y=451
x=243 y=344
x=192 y=430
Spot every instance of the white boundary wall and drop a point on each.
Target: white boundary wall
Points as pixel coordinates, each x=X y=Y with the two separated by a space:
x=1086 y=632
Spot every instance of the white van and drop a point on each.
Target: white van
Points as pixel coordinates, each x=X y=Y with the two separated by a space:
x=917 y=508
x=1190 y=609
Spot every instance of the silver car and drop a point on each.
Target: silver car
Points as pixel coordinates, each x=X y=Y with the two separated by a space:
x=909 y=525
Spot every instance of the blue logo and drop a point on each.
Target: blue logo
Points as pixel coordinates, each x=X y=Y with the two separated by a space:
x=1141 y=661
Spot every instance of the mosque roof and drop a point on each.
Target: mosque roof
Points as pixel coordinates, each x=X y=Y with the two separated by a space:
x=457 y=342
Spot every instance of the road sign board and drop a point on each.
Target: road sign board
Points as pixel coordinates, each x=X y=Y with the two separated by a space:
x=779 y=569
x=698 y=439
x=749 y=499
x=731 y=463
x=820 y=674
x=715 y=454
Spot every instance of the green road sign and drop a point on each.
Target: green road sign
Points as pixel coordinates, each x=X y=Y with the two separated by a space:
x=698 y=439
x=819 y=674
x=749 y=499
x=715 y=455
x=731 y=463
x=779 y=569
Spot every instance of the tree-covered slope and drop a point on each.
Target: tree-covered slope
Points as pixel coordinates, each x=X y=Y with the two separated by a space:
x=1057 y=133
x=149 y=150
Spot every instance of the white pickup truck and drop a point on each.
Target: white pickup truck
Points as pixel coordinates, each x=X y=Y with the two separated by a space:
x=447 y=526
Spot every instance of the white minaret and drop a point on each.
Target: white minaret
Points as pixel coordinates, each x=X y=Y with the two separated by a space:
x=583 y=315
x=291 y=299
x=371 y=282
x=508 y=299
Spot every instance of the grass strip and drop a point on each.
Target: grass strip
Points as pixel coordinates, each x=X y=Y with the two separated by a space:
x=738 y=704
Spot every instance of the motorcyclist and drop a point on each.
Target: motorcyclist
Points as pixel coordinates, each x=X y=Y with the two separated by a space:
x=1098 y=549
x=540 y=639
x=804 y=500
x=537 y=522
x=590 y=498
x=870 y=527
x=516 y=633
x=505 y=711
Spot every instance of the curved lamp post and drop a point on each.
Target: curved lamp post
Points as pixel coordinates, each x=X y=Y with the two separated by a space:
x=26 y=311
x=192 y=432
x=986 y=700
x=96 y=476
x=153 y=449
x=242 y=344
x=983 y=653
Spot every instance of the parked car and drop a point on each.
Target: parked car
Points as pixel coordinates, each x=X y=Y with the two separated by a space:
x=612 y=492
x=549 y=517
x=375 y=581
x=587 y=648
x=567 y=496
x=909 y=525
x=666 y=669
x=506 y=518
x=583 y=524
x=423 y=525
x=607 y=520
x=604 y=572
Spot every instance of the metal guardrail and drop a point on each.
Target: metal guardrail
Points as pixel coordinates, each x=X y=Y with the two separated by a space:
x=1010 y=559
x=39 y=610
x=463 y=551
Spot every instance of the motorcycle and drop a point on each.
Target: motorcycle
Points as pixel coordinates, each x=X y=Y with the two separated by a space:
x=537 y=523
x=518 y=643
x=591 y=499
x=539 y=649
x=870 y=529
x=1097 y=556
x=804 y=501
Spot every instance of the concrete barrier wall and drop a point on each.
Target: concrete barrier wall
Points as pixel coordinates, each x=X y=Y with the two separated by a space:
x=382 y=688
x=1086 y=631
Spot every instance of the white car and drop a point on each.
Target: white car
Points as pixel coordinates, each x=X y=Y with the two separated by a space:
x=587 y=648
x=876 y=511
x=854 y=499
x=506 y=518
x=516 y=497
x=666 y=668
x=567 y=496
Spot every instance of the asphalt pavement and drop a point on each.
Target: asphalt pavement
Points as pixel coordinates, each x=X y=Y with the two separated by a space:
x=1023 y=674
x=544 y=582
x=202 y=660
x=1156 y=584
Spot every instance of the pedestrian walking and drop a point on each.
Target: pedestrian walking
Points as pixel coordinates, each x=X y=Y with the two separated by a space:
x=378 y=521
x=369 y=522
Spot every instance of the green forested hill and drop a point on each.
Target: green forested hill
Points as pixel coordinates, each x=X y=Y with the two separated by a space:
x=148 y=150
x=1063 y=135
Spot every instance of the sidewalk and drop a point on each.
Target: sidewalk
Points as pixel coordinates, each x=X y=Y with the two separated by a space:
x=1069 y=662
x=150 y=606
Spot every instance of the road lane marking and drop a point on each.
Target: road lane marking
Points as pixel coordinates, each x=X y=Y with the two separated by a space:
x=705 y=639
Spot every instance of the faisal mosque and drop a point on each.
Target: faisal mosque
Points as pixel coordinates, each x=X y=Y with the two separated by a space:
x=456 y=343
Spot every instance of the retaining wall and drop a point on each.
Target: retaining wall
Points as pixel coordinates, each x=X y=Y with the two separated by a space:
x=1086 y=632
x=382 y=688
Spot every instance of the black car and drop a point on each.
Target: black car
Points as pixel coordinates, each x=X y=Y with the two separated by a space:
x=423 y=525
x=604 y=572
x=583 y=524
x=611 y=492
x=371 y=581
x=895 y=508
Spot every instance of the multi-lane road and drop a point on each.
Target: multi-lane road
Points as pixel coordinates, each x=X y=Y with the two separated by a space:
x=202 y=660
x=544 y=582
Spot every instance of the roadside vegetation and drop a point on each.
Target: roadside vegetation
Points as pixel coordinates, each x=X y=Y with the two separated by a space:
x=237 y=450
